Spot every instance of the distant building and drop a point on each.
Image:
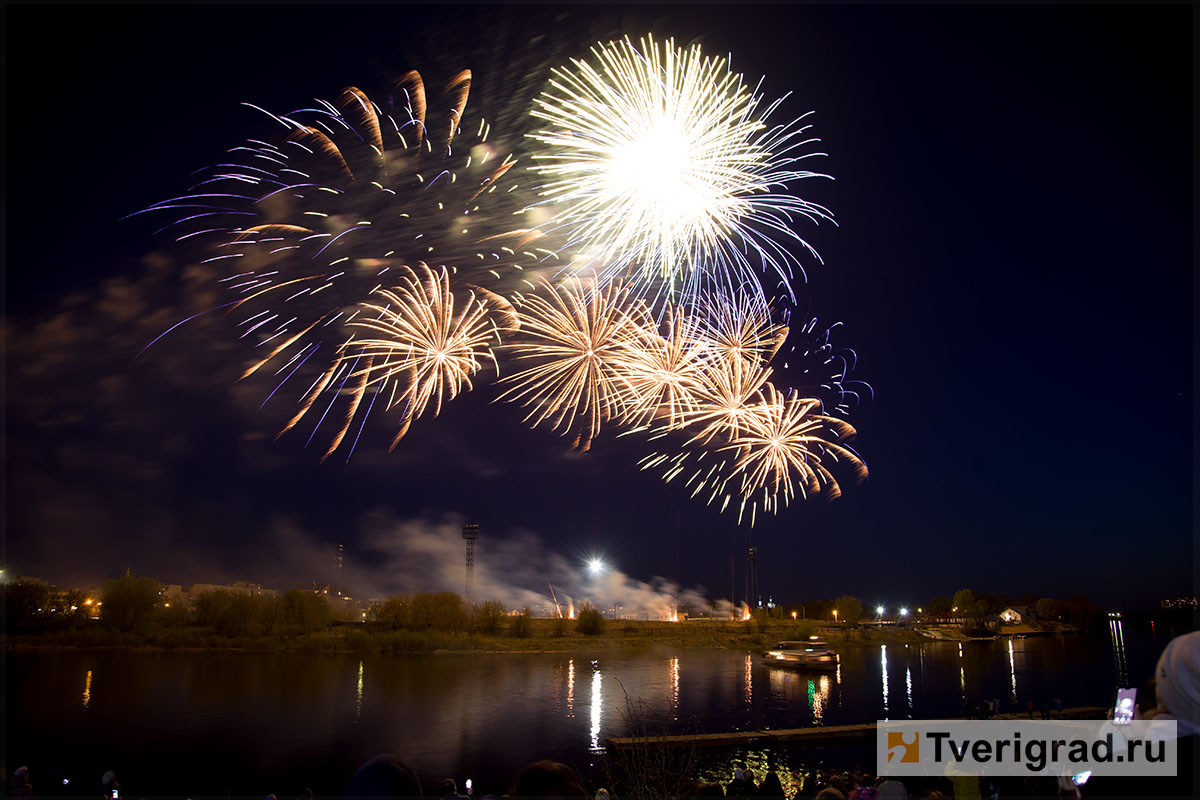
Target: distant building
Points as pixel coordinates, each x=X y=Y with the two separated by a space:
x=1015 y=615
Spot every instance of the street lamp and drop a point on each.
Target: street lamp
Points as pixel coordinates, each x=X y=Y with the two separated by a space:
x=904 y=612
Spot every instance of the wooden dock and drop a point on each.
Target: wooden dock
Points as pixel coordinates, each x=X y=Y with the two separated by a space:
x=823 y=736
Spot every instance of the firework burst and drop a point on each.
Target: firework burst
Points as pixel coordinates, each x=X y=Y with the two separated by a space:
x=576 y=338
x=784 y=447
x=377 y=253
x=419 y=341
x=312 y=225
x=661 y=168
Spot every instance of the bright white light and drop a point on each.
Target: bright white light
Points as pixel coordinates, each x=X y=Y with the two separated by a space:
x=903 y=612
x=595 y=567
x=880 y=610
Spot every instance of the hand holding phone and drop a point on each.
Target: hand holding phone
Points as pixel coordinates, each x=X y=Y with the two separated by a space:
x=1126 y=705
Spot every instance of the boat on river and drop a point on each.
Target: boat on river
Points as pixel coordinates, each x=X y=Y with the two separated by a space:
x=809 y=655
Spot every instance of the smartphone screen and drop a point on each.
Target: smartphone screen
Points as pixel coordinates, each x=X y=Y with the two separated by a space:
x=1123 y=710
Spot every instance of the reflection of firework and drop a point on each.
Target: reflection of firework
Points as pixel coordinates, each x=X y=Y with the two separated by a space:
x=661 y=165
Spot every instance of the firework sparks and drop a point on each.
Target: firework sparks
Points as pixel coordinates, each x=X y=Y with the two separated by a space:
x=312 y=223
x=661 y=167
x=662 y=180
x=786 y=437
x=416 y=335
x=814 y=366
x=663 y=374
x=579 y=337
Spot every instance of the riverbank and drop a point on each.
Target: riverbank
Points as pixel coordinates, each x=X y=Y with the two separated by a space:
x=542 y=636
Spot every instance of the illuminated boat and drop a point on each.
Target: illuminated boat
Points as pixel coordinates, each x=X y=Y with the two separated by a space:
x=813 y=654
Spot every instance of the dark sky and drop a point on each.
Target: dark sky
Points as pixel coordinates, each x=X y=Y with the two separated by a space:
x=1012 y=265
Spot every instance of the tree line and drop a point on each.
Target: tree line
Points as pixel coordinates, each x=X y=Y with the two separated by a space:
x=965 y=604
x=132 y=604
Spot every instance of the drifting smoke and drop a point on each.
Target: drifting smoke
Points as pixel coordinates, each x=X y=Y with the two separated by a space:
x=427 y=555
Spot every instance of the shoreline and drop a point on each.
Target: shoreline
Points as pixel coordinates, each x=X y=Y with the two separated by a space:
x=629 y=636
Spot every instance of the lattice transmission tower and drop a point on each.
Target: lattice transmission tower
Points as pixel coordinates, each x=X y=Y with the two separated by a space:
x=470 y=534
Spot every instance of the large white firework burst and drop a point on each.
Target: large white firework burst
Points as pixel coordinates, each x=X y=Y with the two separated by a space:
x=662 y=170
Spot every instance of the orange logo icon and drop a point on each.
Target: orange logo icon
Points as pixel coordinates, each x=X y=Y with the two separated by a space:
x=904 y=744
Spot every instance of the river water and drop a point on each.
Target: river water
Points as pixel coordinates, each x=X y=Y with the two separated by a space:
x=199 y=724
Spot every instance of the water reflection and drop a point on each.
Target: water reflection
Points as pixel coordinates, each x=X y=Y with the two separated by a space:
x=571 y=688
x=1012 y=671
x=1118 y=643
x=883 y=662
x=674 y=674
x=597 y=705
x=962 y=675
x=358 y=701
x=749 y=684
x=817 y=698
x=269 y=717
x=908 y=687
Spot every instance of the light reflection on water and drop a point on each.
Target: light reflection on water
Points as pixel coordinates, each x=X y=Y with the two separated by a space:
x=456 y=714
x=359 y=693
x=1117 y=634
x=597 y=706
x=571 y=688
x=749 y=683
x=674 y=677
x=1012 y=671
x=883 y=659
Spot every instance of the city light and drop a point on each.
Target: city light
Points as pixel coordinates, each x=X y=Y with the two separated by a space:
x=879 y=609
x=904 y=612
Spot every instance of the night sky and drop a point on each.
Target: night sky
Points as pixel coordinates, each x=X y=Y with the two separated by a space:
x=1012 y=265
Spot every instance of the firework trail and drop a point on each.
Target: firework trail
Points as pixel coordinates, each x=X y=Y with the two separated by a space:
x=660 y=168
x=311 y=224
